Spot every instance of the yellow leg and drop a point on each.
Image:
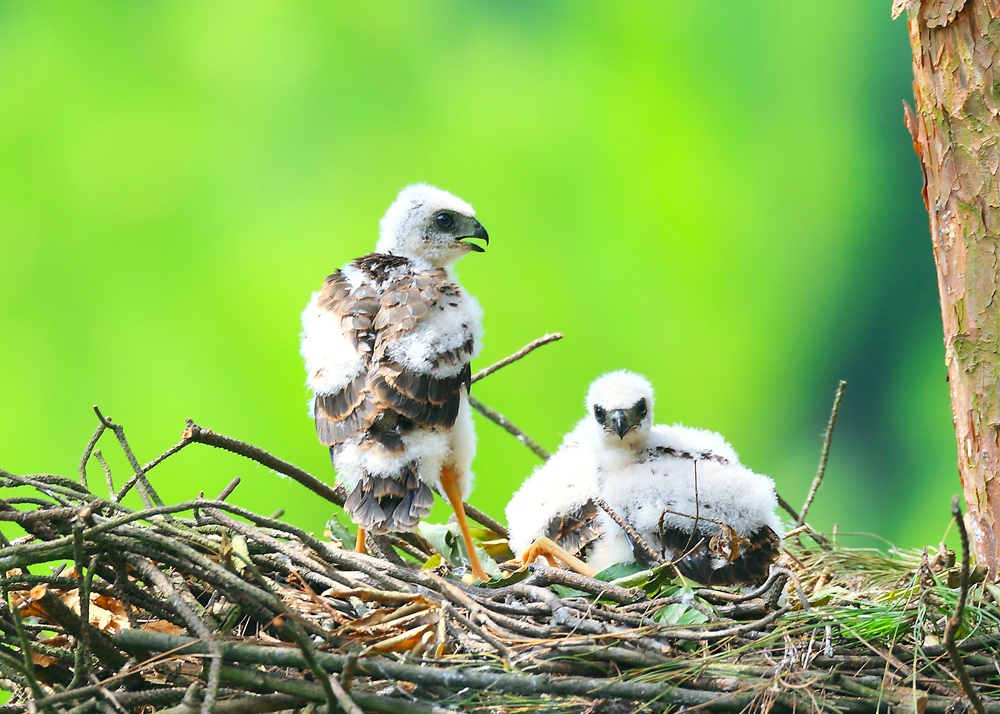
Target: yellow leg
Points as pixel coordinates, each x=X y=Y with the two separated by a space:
x=552 y=551
x=449 y=483
x=359 y=545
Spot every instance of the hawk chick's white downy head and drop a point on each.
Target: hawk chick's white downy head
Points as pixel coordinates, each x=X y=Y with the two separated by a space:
x=427 y=224
x=622 y=405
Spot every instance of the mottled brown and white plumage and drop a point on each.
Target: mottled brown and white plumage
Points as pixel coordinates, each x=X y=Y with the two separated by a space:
x=682 y=490
x=387 y=343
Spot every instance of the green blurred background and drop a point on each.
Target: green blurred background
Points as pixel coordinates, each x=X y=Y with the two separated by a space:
x=721 y=196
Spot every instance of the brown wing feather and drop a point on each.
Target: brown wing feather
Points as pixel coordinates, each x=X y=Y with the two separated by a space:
x=748 y=559
x=576 y=531
x=374 y=315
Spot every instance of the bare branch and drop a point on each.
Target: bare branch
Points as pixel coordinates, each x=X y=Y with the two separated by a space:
x=502 y=421
x=197 y=434
x=530 y=347
x=824 y=454
x=955 y=621
x=632 y=534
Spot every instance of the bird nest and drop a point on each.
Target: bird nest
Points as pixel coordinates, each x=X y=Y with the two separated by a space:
x=205 y=606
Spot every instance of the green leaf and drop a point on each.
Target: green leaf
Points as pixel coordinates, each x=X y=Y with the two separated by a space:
x=620 y=572
x=433 y=562
x=511 y=579
x=341 y=532
x=681 y=613
x=442 y=539
x=661 y=580
x=447 y=540
x=564 y=592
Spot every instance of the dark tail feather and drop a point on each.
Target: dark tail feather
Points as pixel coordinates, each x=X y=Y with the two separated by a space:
x=384 y=504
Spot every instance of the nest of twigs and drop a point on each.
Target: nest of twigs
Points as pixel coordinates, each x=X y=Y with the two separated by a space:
x=204 y=606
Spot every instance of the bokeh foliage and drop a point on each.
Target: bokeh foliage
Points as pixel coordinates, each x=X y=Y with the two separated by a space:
x=719 y=195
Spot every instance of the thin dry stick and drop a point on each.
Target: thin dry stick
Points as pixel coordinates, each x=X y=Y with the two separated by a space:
x=486 y=520
x=195 y=433
x=634 y=537
x=149 y=496
x=498 y=418
x=531 y=346
x=335 y=494
x=955 y=621
x=824 y=455
x=788 y=508
x=108 y=478
x=88 y=451
x=502 y=421
x=344 y=700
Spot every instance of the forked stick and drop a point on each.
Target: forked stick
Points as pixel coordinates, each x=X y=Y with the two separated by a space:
x=498 y=418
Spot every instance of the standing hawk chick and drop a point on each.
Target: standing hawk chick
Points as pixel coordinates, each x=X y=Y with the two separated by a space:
x=387 y=343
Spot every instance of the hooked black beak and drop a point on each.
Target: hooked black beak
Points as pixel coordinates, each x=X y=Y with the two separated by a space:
x=477 y=232
x=620 y=423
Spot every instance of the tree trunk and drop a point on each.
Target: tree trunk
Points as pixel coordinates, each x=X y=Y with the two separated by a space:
x=956 y=85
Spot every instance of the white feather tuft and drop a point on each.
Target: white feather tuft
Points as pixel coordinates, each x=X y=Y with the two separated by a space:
x=556 y=488
x=330 y=357
x=401 y=230
x=620 y=390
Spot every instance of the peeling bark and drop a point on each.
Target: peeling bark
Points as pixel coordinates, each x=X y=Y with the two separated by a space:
x=955 y=130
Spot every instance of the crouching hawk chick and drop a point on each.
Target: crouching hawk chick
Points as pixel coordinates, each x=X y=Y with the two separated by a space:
x=387 y=343
x=683 y=491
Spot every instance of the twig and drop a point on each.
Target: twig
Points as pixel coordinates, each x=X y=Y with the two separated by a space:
x=195 y=433
x=633 y=536
x=502 y=421
x=160 y=581
x=335 y=494
x=108 y=478
x=255 y=680
x=788 y=508
x=955 y=621
x=146 y=490
x=544 y=575
x=719 y=634
x=249 y=704
x=824 y=455
x=457 y=679
x=483 y=519
x=82 y=469
x=81 y=664
x=22 y=635
x=344 y=700
x=533 y=345
x=228 y=489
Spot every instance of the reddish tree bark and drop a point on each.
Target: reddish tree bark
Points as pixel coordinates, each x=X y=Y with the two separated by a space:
x=955 y=129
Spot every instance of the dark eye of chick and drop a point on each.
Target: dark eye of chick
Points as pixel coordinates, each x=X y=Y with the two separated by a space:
x=600 y=414
x=444 y=221
x=640 y=408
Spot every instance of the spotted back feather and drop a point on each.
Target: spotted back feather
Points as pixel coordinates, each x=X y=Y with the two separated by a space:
x=374 y=315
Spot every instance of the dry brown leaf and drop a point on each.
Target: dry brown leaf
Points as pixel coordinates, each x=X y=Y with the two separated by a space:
x=403 y=642
x=163 y=626
x=905 y=700
x=42 y=660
